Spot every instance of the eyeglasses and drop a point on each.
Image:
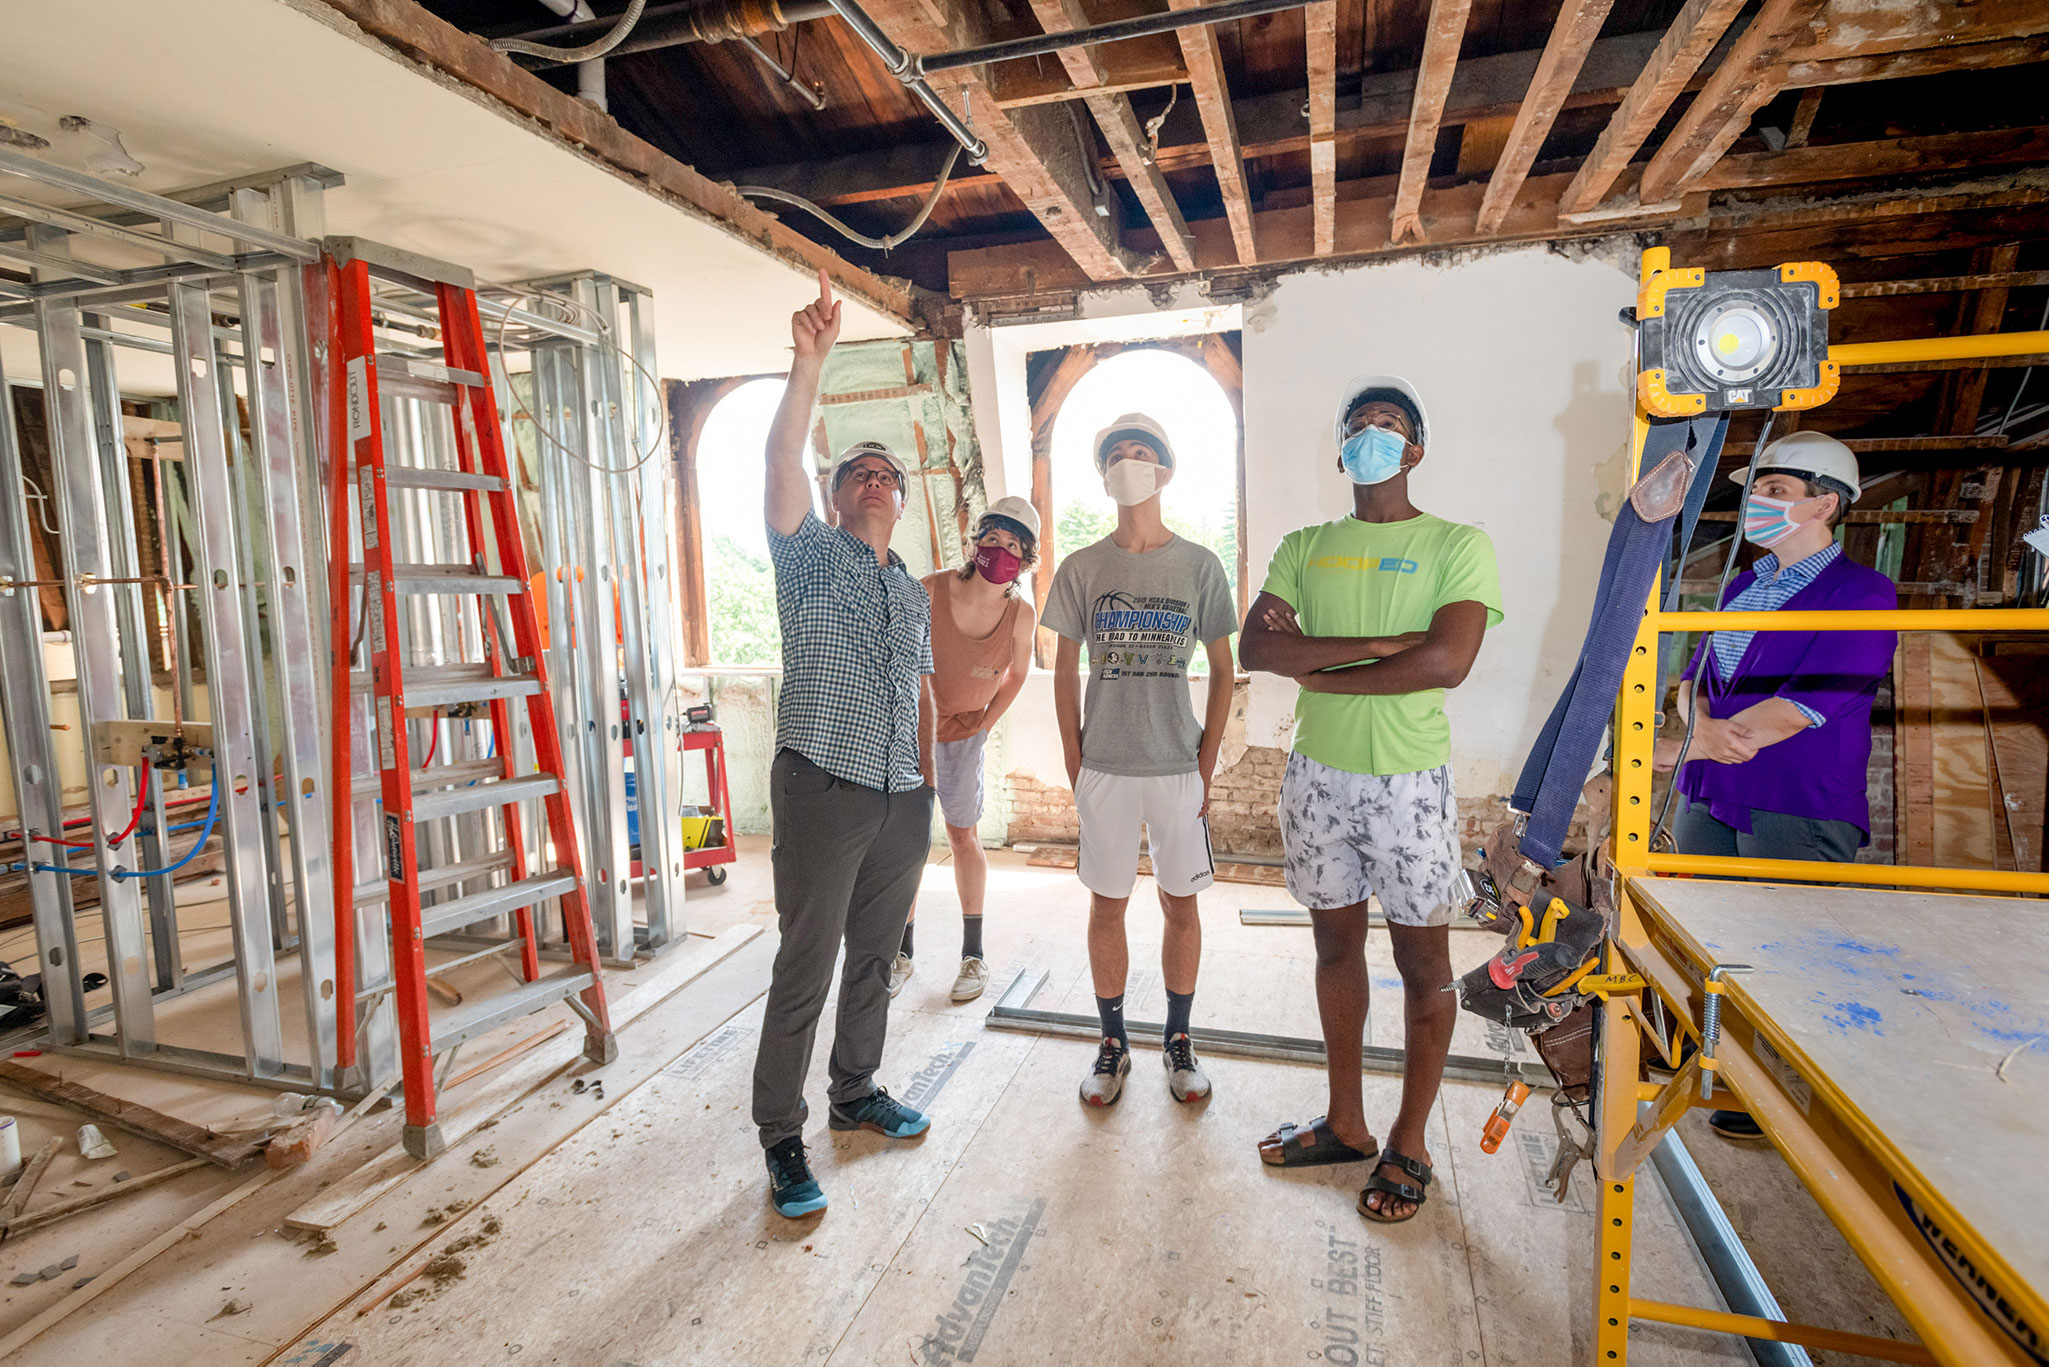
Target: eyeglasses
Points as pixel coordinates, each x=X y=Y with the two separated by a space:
x=867 y=475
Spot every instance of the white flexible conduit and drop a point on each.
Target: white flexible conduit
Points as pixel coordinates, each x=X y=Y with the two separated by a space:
x=880 y=244
x=588 y=51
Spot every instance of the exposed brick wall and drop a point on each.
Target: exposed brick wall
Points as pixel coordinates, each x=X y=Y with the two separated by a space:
x=1244 y=803
x=1878 y=781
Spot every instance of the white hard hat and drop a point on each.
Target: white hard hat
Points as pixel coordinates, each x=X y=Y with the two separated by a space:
x=870 y=448
x=1366 y=384
x=1013 y=509
x=1814 y=455
x=1133 y=427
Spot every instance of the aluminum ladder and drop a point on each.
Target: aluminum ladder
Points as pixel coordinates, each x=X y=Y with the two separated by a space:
x=495 y=883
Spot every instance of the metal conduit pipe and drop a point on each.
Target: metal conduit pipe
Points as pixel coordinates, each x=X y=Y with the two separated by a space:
x=695 y=21
x=1097 y=34
x=905 y=67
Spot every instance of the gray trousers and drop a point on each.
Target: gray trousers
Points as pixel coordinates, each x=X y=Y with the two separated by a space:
x=847 y=862
x=1772 y=835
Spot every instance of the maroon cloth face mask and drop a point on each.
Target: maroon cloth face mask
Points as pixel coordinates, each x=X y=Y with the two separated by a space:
x=997 y=564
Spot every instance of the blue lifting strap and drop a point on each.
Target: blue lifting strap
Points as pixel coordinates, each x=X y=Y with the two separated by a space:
x=1557 y=768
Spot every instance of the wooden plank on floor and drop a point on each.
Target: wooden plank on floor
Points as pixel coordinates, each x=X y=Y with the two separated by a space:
x=596 y=1263
x=224 y=1150
x=349 y=1196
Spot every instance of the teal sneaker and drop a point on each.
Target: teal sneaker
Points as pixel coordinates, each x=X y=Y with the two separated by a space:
x=791 y=1188
x=882 y=1113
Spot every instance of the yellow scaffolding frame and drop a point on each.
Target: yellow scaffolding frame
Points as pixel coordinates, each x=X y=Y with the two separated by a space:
x=1832 y=1140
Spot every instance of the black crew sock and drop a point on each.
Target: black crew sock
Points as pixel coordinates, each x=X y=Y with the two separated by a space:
x=905 y=949
x=1111 y=1009
x=1179 y=1004
x=971 y=937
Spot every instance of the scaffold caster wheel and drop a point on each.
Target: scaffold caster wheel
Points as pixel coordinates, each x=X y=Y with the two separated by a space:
x=715 y=875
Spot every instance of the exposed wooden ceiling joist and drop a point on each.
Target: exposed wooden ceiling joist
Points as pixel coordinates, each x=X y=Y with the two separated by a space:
x=1671 y=68
x=1128 y=142
x=1320 y=29
x=1426 y=110
x=1803 y=73
x=1579 y=23
x=1871 y=160
x=1752 y=73
x=1220 y=126
x=1035 y=150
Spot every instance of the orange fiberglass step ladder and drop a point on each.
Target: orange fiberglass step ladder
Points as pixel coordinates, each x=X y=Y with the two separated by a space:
x=495 y=884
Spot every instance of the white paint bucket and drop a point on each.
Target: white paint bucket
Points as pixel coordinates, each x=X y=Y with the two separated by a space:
x=10 y=1145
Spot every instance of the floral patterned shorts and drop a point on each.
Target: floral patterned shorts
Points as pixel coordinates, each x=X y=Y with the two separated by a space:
x=1348 y=835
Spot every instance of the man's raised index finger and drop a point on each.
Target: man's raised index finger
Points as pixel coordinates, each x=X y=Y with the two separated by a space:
x=824 y=287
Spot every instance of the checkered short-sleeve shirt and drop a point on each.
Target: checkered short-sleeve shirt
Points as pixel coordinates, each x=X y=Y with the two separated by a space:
x=857 y=637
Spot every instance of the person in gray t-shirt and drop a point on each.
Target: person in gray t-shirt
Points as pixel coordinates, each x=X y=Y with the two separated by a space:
x=1142 y=600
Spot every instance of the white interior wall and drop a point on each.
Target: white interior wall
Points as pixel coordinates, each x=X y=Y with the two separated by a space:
x=208 y=90
x=1525 y=369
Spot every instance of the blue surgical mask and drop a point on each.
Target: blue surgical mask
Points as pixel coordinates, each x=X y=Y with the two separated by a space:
x=1373 y=455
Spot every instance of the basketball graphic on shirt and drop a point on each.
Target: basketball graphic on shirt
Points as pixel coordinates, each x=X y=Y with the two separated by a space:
x=1141 y=636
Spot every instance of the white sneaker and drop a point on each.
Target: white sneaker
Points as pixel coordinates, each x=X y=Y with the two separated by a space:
x=900 y=973
x=1105 y=1082
x=1185 y=1078
x=974 y=976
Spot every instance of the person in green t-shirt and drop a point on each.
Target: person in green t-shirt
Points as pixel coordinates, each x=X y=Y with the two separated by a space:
x=1375 y=615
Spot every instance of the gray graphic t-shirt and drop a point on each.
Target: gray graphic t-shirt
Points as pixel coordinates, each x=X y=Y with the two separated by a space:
x=1141 y=618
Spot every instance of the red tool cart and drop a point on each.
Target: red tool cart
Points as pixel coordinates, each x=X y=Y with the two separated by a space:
x=707 y=737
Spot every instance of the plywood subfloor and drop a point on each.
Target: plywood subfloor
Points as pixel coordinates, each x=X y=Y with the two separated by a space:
x=1147 y=1232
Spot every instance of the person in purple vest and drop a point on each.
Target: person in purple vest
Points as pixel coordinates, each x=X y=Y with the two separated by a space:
x=1782 y=719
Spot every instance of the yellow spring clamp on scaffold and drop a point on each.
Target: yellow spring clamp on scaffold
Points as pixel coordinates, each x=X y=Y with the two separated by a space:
x=1711 y=1023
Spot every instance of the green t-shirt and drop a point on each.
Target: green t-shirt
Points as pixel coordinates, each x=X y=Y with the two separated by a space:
x=1353 y=578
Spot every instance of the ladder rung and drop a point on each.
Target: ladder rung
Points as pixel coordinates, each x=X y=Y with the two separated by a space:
x=370 y=894
x=482 y=1016
x=446 y=802
x=423 y=477
x=495 y=902
x=371 y=783
x=434 y=686
x=411 y=578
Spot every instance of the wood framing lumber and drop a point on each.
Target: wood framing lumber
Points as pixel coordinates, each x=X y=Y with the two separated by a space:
x=1320 y=29
x=222 y=1150
x=1891 y=66
x=1863 y=28
x=1441 y=42
x=415 y=33
x=35 y=1219
x=25 y=1185
x=1751 y=74
x=1686 y=44
x=1572 y=37
x=1121 y=130
x=1220 y=126
x=1886 y=157
x=1034 y=149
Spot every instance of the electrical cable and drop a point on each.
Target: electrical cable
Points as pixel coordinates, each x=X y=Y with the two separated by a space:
x=880 y=244
x=2022 y=387
x=1707 y=639
x=588 y=52
x=603 y=330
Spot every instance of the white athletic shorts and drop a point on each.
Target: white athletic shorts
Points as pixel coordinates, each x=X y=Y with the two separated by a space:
x=1346 y=835
x=1114 y=806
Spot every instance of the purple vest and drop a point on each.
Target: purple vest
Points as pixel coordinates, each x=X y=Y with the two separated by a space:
x=1819 y=772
